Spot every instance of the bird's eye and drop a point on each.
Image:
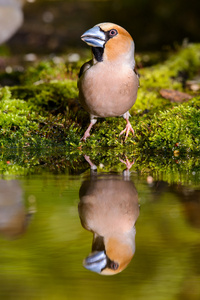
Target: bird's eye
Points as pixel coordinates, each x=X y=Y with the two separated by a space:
x=114 y=265
x=113 y=32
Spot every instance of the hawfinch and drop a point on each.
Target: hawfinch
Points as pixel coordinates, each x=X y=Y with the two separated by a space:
x=109 y=208
x=108 y=83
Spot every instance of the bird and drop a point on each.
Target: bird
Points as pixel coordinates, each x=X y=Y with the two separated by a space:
x=109 y=208
x=108 y=83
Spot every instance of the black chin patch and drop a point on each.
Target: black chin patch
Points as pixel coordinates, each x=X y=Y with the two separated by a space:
x=98 y=53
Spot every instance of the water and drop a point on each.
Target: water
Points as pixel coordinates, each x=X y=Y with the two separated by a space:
x=43 y=243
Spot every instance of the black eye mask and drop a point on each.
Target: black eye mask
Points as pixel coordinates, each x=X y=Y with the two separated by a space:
x=97 y=51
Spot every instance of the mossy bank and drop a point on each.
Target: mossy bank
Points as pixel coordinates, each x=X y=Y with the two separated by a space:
x=43 y=109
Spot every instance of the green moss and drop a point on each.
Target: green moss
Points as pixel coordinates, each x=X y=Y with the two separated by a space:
x=174 y=129
x=21 y=126
x=47 y=71
x=16 y=120
x=53 y=97
x=194 y=102
x=44 y=109
x=170 y=74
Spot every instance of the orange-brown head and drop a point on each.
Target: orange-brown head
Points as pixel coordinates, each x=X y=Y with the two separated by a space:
x=110 y=42
x=111 y=255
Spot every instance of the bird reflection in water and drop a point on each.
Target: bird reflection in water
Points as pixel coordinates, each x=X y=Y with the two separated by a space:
x=14 y=218
x=109 y=208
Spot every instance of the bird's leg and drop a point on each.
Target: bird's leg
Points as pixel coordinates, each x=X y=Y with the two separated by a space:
x=128 y=164
x=92 y=166
x=128 y=126
x=87 y=132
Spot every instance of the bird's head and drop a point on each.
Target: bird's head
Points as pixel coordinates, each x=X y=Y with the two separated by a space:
x=111 y=256
x=110 y=42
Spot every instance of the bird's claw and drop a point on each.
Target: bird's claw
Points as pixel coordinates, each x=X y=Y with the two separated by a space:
x=85 y=136
x=127 y=163
x=127 y=129
x=87 y=132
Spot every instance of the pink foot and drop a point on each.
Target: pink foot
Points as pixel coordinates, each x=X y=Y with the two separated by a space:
x=127 y=129
x=87 y=133
x=127 y=163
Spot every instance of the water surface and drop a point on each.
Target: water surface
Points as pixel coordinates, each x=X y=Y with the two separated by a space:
x=43 y=243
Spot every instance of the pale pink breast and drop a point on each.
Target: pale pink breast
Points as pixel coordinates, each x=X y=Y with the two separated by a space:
x=108 y=94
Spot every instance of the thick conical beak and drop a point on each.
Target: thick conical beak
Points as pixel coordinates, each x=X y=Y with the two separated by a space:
x=94 y=37
x=96 y=262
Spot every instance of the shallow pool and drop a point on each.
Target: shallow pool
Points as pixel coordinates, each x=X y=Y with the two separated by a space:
x=50 y=223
